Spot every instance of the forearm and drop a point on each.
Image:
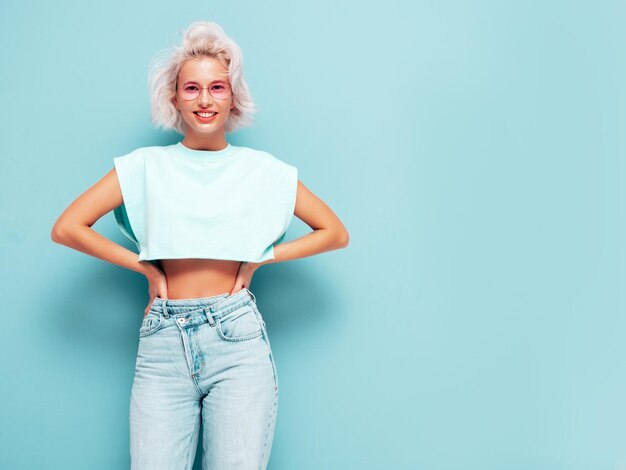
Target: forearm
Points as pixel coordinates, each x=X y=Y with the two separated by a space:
x=87 y=240
x=313 y=243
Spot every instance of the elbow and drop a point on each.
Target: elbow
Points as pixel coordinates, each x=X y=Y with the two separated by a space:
x=60 y=233
x=344 y=239
x=57 y=234
x=336 y=238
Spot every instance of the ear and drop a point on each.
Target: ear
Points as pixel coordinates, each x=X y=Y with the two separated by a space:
x=175 y=103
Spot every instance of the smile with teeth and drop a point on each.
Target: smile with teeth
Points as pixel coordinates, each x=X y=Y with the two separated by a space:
x=205 y=115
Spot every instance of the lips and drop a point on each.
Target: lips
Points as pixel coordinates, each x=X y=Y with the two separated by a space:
x=205 y=117
x=205 y=113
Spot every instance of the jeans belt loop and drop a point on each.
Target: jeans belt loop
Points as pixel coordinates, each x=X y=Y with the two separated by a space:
x=251 y=294
x=209 y=316
x=164 y=306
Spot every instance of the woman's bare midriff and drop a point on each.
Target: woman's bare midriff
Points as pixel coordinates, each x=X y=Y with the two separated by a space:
x=190 y=278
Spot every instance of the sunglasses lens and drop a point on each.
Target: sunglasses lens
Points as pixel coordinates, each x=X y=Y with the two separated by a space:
x=190 y=92
x=220 y=91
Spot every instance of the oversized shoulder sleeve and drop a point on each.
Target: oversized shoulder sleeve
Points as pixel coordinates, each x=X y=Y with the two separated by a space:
x=284 y=181
x=130 y=170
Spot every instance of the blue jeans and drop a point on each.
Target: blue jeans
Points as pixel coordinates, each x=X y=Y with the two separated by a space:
x=205 y=359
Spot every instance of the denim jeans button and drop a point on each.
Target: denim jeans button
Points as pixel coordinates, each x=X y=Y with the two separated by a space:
x=182 y=321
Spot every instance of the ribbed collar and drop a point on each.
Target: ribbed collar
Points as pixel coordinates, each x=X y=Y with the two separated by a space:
x=204 y=154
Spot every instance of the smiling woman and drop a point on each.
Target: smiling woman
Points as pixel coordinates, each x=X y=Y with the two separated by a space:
x=204 y=215
x=199 y=104
x=201 y=40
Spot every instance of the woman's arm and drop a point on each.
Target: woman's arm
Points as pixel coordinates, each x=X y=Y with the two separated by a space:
x=328 y=233
x=73 y=227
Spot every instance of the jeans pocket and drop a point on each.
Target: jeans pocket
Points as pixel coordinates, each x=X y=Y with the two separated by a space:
x=258 y=313
x=239 y=325
x=151 y=323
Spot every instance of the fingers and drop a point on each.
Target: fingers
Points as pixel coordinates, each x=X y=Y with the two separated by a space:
x=238 y=287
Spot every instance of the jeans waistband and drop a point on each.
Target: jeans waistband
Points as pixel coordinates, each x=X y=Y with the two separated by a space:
x=216 y=305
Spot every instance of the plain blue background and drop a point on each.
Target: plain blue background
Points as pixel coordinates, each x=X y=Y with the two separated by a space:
x=474 y=149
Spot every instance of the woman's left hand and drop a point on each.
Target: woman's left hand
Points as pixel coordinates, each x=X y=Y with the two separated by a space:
x=244 y=275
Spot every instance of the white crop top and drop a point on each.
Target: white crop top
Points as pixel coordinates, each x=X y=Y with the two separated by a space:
x=231 y=204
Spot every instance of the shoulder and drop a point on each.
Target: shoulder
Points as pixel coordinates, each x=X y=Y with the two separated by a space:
x=140 y=152
x=263 y=158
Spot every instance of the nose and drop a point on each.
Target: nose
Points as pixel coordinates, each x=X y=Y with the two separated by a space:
x=205 y=96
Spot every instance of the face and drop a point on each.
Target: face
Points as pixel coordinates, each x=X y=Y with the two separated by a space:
x=194 y=74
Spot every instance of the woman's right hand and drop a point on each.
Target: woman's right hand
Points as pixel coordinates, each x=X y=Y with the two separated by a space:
x=157 y=286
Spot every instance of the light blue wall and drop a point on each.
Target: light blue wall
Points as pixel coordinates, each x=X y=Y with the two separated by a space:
x=474 y=150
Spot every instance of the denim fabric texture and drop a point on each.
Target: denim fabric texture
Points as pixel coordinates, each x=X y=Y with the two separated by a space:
x=205 y=360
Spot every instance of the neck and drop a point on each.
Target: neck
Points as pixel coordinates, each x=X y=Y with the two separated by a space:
x=205 y=142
